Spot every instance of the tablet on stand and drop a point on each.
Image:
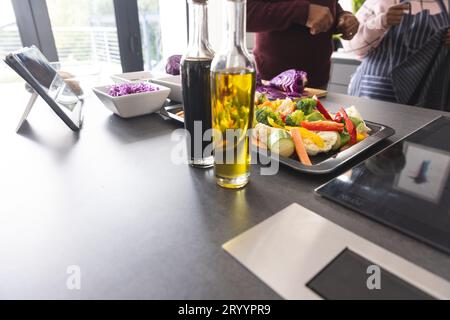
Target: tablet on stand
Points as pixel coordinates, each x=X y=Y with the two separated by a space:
x=45 y=82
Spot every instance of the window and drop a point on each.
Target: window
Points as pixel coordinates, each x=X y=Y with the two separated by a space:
x=10 y=39
x=150 y=25
x=163 y=28
x=96 y=37
x=85 y=33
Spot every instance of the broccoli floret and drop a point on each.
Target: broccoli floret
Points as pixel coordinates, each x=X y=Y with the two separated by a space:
x=276 y=118
x=345 y=138
x=260 y=98
x=307 y=105
x=314 y=116
x=263 y=113
x=355 y=121
x=295 y=118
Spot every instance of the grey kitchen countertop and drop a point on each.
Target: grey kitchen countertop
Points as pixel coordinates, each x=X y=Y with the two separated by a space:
x=345 y=58
x=110 y=201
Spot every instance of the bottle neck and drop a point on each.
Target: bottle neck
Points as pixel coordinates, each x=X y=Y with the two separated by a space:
x=198 y=30
x=235 y=11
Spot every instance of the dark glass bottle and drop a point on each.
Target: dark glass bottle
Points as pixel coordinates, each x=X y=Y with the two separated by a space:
x=195 y=77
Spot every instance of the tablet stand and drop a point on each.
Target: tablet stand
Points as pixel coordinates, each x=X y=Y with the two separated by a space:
x=27 y=110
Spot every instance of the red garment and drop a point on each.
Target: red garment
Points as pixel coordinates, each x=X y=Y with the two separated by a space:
x=284 y=42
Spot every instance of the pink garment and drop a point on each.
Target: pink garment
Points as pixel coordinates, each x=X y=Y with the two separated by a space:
x=372 y=18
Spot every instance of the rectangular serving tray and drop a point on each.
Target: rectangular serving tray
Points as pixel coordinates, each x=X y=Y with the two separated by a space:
x=322 y=163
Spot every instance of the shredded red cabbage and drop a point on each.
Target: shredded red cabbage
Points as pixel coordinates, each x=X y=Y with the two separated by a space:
x=173 y=65
x=123 y=89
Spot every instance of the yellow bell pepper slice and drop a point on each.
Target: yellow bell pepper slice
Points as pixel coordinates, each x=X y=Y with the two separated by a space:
x=361 y=136
x=316 y=139
x=288 y=128
x=306 y=134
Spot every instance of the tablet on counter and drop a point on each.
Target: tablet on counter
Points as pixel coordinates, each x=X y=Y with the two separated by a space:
x=63 y=96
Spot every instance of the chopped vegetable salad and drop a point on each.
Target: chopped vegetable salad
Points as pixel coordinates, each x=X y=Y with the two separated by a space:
x=305 y=127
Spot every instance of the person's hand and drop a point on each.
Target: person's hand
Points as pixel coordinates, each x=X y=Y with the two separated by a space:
x=347 y=25
x=395 y=14
x=447 y=38
x=319 y=19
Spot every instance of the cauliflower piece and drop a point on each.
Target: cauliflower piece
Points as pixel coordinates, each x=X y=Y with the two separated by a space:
x=352 y=112
x=362 y=127
x=261 y=132
x=329 y=138
x=286 y=107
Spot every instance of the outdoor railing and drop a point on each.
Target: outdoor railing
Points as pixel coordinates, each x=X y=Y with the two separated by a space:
x=74 y=44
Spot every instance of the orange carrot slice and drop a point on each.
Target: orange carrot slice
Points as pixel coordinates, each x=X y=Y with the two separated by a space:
x=267 y=103
x=300 y=147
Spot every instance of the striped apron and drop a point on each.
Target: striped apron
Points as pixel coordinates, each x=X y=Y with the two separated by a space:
x=411 y=65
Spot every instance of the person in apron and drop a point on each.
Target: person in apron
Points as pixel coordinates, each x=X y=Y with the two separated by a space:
x=406 y=54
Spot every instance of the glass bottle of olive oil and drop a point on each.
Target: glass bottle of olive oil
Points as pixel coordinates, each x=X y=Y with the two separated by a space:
x=233 y=82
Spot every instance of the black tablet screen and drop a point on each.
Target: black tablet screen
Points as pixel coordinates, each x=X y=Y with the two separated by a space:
x=57 y=88
x=346 y=277
x=406 y=186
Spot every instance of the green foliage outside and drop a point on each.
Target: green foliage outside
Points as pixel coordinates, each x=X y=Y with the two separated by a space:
x=357 y=4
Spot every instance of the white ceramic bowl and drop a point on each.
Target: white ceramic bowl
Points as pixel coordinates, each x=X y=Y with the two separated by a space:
x=128 y=77
x=135 y=104
x=172 y=82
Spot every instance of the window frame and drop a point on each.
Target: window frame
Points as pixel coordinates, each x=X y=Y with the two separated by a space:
x=34 y=26
x=129 y=35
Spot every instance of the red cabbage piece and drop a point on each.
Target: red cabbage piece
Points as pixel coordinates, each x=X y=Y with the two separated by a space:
x=288 y=84
x=124 y=89
x=258 y=80
x=271 y=93
x=290 y=81
x=259 y=85
x=173 y=65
